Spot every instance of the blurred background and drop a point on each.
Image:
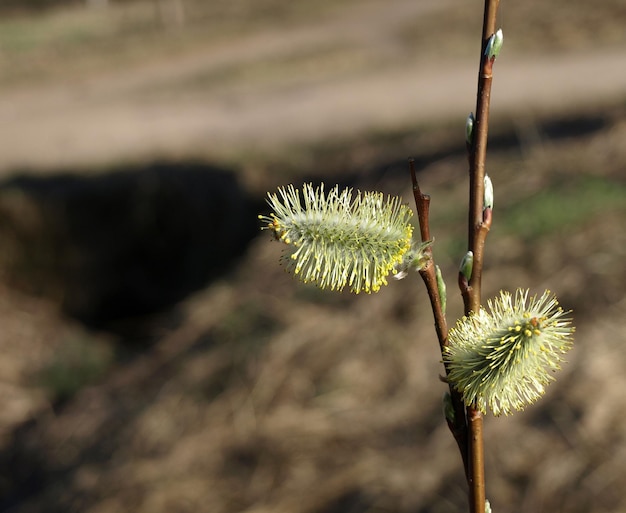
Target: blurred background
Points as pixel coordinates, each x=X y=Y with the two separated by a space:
x=156 y=357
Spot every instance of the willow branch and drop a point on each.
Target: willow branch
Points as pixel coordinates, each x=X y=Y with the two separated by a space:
x=479 y=222
x=476 y=475
x=457 y=425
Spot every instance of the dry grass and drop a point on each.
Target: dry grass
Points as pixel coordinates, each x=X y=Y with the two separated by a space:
x=260 y=395
x=273 y=397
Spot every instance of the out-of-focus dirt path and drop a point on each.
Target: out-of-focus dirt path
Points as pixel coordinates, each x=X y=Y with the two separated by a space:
x=110 y=119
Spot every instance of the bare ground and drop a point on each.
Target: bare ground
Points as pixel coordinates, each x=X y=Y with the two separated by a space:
x=337 y=75
x=259 y=395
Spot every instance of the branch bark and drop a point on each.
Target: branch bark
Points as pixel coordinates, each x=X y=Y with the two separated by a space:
x=479 y=222
x=457 y=425
x=467 y=424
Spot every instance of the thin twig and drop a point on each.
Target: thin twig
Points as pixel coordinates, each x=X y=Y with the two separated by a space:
x=479 y=221
x=477 y=156
x=428 y=274
x=457 y=425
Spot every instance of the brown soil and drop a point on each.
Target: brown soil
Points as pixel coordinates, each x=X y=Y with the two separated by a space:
x=352 y=72
x=257 y=394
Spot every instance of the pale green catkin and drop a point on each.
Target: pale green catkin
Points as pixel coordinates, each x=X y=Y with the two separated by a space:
x=502 y=359
x=340 y=239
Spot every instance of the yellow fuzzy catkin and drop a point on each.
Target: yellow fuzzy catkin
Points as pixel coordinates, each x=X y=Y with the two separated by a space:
x=340 y=239
x=502 y=359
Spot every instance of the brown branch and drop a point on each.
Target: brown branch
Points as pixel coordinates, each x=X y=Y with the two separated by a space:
x=457 y=426
x=428 y=273
x=477 y=157
x=479 y=222
x=476 y=475
x=467 y=424
x=422 y=203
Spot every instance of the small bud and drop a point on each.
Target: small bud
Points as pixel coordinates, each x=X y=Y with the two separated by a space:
x=488 y=198
x=469 y=128
x=441 y=287
x=448 y=408
x=467 y=265
x=494 y=45
x=487 y=506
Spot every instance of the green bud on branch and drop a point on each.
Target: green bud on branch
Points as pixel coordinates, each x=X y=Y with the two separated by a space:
x=488 y=195
x=467 y=265
x=441 y=287
x=448 y=407
x=469 y=128
x=494 y=45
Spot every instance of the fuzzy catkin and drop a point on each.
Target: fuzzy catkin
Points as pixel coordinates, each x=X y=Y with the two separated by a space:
x=340 y=239
x=503 y=358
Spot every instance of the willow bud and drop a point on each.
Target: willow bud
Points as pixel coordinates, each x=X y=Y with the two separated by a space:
x=469 y=128
x=488 y=197
x=467 y=265
x=494 y=45
x=448 y=407
x=441 y=287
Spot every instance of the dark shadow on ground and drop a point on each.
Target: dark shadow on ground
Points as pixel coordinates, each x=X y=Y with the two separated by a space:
x=125 y=243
